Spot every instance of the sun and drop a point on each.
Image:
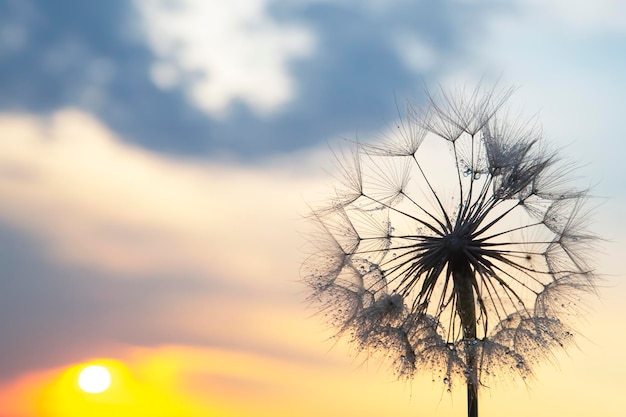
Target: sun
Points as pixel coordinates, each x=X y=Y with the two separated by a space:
x=94 y=379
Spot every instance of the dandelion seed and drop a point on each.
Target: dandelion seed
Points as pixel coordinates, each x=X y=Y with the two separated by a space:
x=459 y=248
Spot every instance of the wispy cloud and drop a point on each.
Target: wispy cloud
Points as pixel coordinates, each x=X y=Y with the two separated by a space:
x=99 y=202
x=113 y=244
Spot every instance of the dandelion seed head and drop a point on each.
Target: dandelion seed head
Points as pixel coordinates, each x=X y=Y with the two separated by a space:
x=455 y=246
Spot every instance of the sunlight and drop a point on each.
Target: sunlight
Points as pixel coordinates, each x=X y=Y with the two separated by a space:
x=94 y=379
x=106 y=387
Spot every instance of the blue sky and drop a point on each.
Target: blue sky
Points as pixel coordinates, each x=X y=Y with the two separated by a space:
x=156 y=156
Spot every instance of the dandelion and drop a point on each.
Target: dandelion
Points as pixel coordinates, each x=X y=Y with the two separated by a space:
x=455 y=246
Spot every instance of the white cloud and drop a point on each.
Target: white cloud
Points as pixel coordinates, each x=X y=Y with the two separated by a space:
x=226 y=51
x=581 y=15
x=165 y=75
x=416 y=54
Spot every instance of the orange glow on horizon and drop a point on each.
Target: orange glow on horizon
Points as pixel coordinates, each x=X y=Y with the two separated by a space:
x=132 y=392
x=179 y=381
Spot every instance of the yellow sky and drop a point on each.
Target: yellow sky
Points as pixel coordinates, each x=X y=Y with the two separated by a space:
x=92 y=201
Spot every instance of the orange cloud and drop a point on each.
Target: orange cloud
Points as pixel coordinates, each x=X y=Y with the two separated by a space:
x=101 y=202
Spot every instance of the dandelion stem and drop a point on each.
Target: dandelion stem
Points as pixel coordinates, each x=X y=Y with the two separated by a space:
x=464 y=284
x=472 y=400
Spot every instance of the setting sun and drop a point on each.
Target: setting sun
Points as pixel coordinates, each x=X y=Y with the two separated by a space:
x=94 y=379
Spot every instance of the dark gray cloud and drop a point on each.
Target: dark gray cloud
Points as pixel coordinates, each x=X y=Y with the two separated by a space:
x=351 y=83
x=91 y=55
x=94 y=56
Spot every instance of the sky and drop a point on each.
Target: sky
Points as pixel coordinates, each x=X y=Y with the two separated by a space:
x=156 y=162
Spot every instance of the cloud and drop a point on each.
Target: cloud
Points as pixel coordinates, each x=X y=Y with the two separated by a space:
x=105 y=244
x=117 y=206
x=92 y=57
x=580 y=15
x=225 y=51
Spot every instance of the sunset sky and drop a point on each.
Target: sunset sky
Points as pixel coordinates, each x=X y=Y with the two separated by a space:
x=157 y=158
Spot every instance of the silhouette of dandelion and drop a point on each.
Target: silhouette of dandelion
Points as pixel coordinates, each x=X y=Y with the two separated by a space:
x=456 y=246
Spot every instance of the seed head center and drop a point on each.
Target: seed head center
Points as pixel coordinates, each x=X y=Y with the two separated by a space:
x=455 y=243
